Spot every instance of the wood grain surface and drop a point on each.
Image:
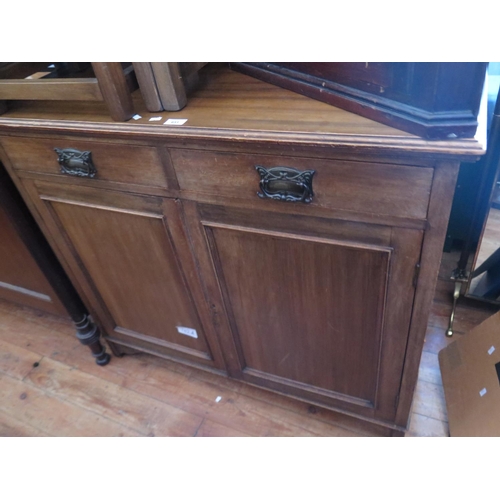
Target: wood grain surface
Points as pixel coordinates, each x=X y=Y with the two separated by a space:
x=131 y=261
x=347 y=185
x=284 y=291
x=35 y=406
x=115 y=90
x=277 y=290
x=113 y=162
x=231 y=106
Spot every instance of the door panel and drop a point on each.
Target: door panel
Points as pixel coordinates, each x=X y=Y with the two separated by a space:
x=323 y=315
x=132 y=263
x=294 y=302
x=126 y=248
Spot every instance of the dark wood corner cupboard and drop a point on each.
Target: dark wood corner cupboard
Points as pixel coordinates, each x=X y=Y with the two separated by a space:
x=272 y=238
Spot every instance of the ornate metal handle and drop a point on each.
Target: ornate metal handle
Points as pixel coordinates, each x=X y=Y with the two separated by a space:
x=286 y=184
x=74 y=162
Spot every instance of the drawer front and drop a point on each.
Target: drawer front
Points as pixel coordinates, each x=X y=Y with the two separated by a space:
x=140 y=165
x=374 y=188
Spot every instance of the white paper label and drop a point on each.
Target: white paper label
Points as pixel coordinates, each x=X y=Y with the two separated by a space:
x=491 y=350
x=155 y=119
x=482 y=392
x=136 y=117
x=175 y=121
x=217 y=399
x=190 y=332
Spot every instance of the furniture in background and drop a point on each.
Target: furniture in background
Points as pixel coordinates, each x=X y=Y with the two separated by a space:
x=166 y=85
x=33 y=273
x=472 y=193
x=477 y=275
x=484 y=277
x=272 y=238
x=21 y=280
x=108 y=82
x=435 y=100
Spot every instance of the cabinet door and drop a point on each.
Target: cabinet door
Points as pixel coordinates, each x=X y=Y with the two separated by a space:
x=132 y=257
x=316 y=308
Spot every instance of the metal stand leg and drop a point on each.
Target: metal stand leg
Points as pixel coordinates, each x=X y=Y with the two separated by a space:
x=456 y=294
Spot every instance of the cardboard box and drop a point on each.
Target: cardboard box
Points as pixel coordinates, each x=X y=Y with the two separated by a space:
x=470 y=368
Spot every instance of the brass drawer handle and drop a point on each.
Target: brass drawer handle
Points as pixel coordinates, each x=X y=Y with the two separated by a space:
x=74 y=162
x=286 y=184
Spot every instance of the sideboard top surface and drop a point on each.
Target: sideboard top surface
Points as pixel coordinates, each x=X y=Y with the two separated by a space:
x=235 y=107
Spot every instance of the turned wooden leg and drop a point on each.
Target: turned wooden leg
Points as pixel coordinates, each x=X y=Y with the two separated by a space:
x=87 y=331
x=88 y=334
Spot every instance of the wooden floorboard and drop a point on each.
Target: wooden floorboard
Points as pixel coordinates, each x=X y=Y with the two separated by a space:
x=17 y=361
x=51 y=386
x=112 y=401
x=50 y=415
x=12 y=426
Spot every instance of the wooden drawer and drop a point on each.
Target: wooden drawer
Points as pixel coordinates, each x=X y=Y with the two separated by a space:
x=375 y=188
x=139 y=165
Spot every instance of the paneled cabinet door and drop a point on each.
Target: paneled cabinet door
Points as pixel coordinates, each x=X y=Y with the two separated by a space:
x=131 y=259
x=312 y=307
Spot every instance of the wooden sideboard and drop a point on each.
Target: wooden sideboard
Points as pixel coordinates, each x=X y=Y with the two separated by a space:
x=271 y=238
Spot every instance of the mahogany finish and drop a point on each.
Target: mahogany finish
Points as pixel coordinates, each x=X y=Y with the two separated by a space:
x=435 y=100
x=326 y=301
x=119 y=248
x=112 y=84
x=114 y=89
x=347 y=185
x=115 y=162
x=147 y=84
x=165 y=85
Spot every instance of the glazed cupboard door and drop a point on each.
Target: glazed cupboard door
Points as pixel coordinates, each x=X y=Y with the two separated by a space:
x=130 y=256
x=314 y=307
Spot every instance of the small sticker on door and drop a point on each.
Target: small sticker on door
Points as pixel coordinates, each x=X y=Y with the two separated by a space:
x=190 y=332
x=482 y=392
x=491 y=350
